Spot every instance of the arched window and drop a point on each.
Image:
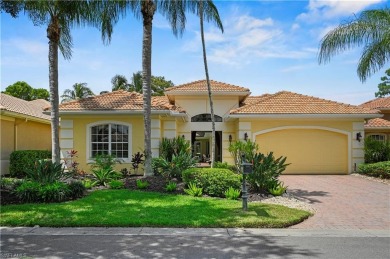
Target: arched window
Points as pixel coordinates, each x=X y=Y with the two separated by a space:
x=205 y=117
x=109 y=138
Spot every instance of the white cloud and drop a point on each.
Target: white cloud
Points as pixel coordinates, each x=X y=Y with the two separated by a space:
x=319 y=10
x=29 y=47
x=246 y=39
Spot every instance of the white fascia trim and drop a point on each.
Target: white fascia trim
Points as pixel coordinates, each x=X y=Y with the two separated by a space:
x=113 y=112
x=313 y=116
x=25 y=117
x=199 y=93
x=376 y=128
x=347 y=133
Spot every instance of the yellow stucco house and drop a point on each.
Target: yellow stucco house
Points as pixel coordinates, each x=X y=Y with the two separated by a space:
x=378 y=128
x=24 y=126
x=318 y=136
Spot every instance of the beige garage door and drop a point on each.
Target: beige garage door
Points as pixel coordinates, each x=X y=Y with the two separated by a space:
x=310 y=151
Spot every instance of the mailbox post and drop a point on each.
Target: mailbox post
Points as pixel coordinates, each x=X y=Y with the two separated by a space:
x=246 y=168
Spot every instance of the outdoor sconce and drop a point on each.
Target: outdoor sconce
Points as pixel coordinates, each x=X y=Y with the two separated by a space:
x=358 y=136
x=183 y=136
x=230 y=138
x=245 y=136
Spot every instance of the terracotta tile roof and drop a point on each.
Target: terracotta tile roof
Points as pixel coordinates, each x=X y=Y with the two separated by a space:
x=117 y=100
x=16 y=105
x=42 y=103
x=201 y=86
x=377 y=103
x=377 y=123
x=292 y=103
x=254 y=99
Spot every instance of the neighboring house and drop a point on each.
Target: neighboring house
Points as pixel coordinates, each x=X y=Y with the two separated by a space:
x=317 y=136
x=23 y=127
x=378 y=128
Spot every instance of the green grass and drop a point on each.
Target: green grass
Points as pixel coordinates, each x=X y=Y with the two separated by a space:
x=124 y=208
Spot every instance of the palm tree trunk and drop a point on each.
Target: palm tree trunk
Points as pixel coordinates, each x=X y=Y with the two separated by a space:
x=148 y=8
x=53 y=33
x=208 y=84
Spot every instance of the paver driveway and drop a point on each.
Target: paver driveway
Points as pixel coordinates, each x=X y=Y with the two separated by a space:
x=342 y=201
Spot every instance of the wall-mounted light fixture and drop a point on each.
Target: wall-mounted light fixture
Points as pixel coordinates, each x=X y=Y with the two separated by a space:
x=358 y=136
x=245 y=136
x=183 y=136
x=230 y=138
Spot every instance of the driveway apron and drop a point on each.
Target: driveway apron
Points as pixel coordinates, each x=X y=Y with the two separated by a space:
x=342 y=201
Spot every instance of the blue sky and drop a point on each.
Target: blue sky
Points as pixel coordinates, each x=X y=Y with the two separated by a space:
x=268 y=46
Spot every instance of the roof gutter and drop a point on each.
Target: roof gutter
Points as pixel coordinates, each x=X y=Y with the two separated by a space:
x=304 y=116
x=24 y=116
x=110 y=112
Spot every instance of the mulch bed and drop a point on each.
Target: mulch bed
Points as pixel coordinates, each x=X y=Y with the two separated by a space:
x=156 y=184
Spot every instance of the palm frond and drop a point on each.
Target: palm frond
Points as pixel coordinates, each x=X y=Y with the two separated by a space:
x=369 y=29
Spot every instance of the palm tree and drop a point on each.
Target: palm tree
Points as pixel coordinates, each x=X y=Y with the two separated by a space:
x=371 y=29
x=59 y=17
x=80 y=90
x=213 y=10
x=119 y=82
x=136 y=82
x=174 y=12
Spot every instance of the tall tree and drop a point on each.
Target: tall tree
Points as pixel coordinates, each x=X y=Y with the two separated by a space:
x=371 y=29
x=174 y=11
x=22 y=90
x=80 y=90
x=119 y=82
x=384 y=87
x=158 y=84
x=136 y=82
x=214 y=13
x=59 y=17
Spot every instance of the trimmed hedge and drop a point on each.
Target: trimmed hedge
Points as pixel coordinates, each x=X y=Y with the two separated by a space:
x=380 y=169
x=214 y=181
x=22 y=160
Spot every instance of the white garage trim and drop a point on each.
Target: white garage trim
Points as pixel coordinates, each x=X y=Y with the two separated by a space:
x=313 y=127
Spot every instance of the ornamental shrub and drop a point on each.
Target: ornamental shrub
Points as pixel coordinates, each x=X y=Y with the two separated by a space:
x=376 y=151
x=22 y=160
x=116 y=184
x=266 y=171
x=54 y=192
x=381 y=169
x=76 y=189
x=28 y=191
x=45 y=172
x=213 y=181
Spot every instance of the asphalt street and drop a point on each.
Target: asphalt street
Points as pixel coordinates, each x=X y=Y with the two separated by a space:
x=192 y=243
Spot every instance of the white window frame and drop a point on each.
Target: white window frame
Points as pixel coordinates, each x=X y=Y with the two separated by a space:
x=97 y=123
x=378 y=134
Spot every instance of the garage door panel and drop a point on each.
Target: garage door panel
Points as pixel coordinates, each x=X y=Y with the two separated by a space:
x=308 y=151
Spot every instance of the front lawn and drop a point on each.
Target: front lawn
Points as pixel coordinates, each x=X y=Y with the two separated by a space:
x=124 y=208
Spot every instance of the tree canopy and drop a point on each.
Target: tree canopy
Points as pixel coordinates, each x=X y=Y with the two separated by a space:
x=80 y=90
x=384 y=87
x=371 y=30
x=24 y=91
x=158 y=83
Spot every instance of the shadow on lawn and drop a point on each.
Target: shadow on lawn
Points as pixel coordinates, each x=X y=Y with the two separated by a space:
x=141 y=209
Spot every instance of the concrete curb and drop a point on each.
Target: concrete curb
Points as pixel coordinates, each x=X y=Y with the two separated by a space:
x=209 y=232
